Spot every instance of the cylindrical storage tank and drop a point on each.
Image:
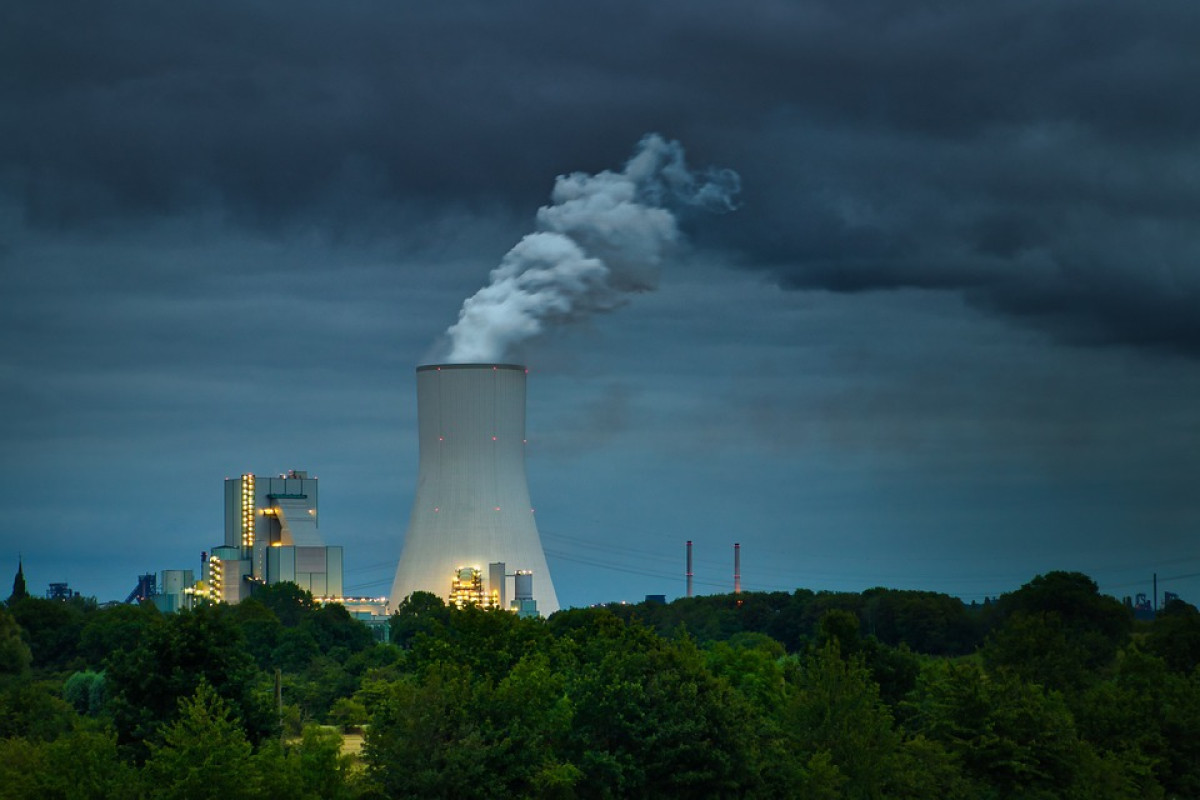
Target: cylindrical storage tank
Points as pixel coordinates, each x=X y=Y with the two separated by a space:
x=523 y=582
x=472 y=505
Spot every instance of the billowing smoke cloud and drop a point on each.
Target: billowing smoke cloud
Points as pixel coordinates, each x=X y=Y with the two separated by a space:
x=600 y=241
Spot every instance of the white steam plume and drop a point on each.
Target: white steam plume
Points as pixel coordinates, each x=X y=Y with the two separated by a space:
x=600 y=241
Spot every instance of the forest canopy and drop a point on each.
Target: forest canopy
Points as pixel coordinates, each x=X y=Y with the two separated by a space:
x=1053 y=690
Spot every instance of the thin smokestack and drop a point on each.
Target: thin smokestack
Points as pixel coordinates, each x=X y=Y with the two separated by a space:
x=600 y=241
x=689 y=568
x=737 y=568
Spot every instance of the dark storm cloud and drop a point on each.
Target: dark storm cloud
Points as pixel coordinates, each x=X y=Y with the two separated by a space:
x=1042 y=159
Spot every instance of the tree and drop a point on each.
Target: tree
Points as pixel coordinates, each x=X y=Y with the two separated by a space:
x=53 y=628
x=290 y=603
x=1008 y=734
x=835 y=710
x=527 y=717
x=1058 y=631
x=1039 y=648
x=420 y=612
x=311 y=769
x=425 y=740
x=489 y=641
x=751 y=663
x=202 y=754
x=893 y=669
x=261 y=630
x=34 y=710
x=80 y=765
x=331 y=626
x=192 y=647
x=928 y=622
x=1148 y=716
x=651 y=720
x=15 y=657
x=118 y=628
x=1175 y=636
x=85 y=691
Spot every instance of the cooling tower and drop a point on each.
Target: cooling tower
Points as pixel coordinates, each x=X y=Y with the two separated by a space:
x=472 y=504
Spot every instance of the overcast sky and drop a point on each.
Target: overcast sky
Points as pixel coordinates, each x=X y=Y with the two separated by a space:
x=950 y=338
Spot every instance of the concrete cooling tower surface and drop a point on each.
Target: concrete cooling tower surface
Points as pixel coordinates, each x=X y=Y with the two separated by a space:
x=472 y=504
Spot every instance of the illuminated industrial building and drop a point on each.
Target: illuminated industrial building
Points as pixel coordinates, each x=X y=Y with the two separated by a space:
x=466 y=587
x=271 y=536
x=472 y=501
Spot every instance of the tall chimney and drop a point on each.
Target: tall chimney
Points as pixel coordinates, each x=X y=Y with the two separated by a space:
x=737 y=568
x=689 y=568
x=472 y=504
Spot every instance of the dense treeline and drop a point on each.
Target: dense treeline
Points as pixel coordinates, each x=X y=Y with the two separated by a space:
x=1050 y=691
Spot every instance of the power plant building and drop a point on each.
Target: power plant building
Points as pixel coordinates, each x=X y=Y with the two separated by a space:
x=176 y=590
x=271 y=536
x=472 y=519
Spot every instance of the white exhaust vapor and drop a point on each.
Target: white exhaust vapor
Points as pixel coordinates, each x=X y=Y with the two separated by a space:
x=601 y=240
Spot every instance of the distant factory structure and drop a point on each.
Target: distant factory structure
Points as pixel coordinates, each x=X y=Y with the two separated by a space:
x=471 y=518
x=271 y=536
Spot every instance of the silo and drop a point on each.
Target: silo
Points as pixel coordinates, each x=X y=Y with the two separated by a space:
x=472 y=501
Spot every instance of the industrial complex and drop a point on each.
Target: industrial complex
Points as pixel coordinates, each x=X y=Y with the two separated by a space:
x=471 y=540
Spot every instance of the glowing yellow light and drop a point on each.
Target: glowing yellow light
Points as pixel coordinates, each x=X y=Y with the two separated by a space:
x=248 y=511
x=466 y=587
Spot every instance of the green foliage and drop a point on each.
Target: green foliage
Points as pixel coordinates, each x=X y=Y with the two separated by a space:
x=202 y=754
x=80 y=765
x=113 y=629
x=424 y=739
x=34 y=710
x=295 y=651
x=811 y=695
x=52 y=628
x=324 y=682
x=311 y=769
x=85 y=691
x=751 y=663
x=1058 y=631
x=840 y=627
x=324 y=771
x=15 y=656
x=836 y=711
x=191 y=648
x=290 y=603
x=927 y=622
x=528 y=717
x=348 y=713
x=1148 y=717
x=1006 y=733
x=331 y=626
x=894 y=669
x=651 y=720
x=606 y=711
x=1175 y=636
x=420 y=612
x=262 y=632
x=490 y=642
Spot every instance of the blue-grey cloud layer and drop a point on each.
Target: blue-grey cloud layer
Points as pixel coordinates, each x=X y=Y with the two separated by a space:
x=965 y=253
